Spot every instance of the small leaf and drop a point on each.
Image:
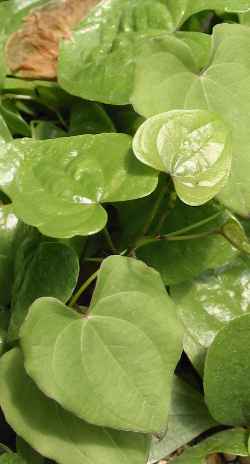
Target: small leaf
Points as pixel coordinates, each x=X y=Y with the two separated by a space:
x=210 y=302
x=229 y=442
x=42 y=268
x=226 y=379
x=235 y=234
x=194 y=147
x=55 y=433
x=47 y=130
x=5 y=135
x=188 y=418
x=131 y=333
x=64 y=181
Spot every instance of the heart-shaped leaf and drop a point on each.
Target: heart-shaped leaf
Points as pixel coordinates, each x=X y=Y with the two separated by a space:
x=55 y=433
x=58 y=185
x=42 y=268
x=98 y=63
x=217 y=87
x=188 y=418
x=229 y=442
x=226 y=378
x=194 y=147
x=131 y=333
x=210 y=302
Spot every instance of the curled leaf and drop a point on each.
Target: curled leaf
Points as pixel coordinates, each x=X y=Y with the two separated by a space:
x=32 y=51
x=192 y=146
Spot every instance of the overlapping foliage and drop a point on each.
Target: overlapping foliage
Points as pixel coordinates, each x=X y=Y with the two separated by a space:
x=124 y=140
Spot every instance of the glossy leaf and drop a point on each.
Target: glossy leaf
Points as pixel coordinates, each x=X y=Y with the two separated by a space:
x=8 y=227
x=58 y=185
x=131 y=333
x=182 y=260
x=209 y=303
x=235 y=234
x=188 y=418
x=229 y=442
x=218 y=88
x=194 y=147
x=99 y=62
x=55 y=433
x=42 y=268
x=226 y=379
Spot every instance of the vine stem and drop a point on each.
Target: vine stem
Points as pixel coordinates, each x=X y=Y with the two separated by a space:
x=82 y=289
x=194 y=226
x=109 y=240
x=149 y=240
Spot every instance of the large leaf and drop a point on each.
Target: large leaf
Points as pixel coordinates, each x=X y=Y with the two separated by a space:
x=8 y=227
x=226 y=379
x=98 y=63
x=58 y=185
x=42 y=268
x=218 y=88
x=229 y=442
x=55 y=433
x=182 y=260
x=194 y=147
x=210 y=302
x=131 y=333
x=188 y=418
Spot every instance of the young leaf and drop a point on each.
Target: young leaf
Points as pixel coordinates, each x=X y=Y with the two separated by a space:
x=235 y=234
x=226 y=379
x=217 y=88
x=209 y=303
x=229 y=442
x=131 y=333
x=55 y=433
x=188 y=418
x=8 y=227
x=42 y=268
x=58 y=185
x=194 y=147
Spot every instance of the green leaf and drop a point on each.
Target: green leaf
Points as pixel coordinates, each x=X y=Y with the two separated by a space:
x=42 y=268
x=47 y=130
x=217 y=88
x=5 y=135
x=188 y=418
x=58 y=185
x=89 y=118
x=99 y=62
x=226 y=379
x=55 y=433
x=235 y=234
x=12 y=458
x=210 y=302
x=194 y=147
x=27 y=453
x=131 y=333
x=229 y=442
x=8 y=227
x=178 y=261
